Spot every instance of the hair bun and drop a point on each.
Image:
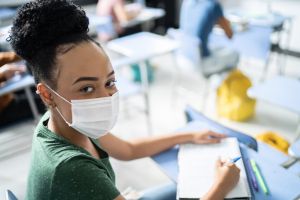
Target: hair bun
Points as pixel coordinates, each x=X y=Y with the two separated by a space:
x=43 y=23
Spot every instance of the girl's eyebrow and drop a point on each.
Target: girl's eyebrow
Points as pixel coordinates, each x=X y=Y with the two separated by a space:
x=111 y=73
x=86 y=78
x=90 y=78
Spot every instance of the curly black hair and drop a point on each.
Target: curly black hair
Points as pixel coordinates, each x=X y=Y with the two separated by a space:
x=41 y=27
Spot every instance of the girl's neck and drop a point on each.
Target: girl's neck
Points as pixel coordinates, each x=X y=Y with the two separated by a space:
x=57 y=125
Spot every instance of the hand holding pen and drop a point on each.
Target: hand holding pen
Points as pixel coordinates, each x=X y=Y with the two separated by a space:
x=227 y=175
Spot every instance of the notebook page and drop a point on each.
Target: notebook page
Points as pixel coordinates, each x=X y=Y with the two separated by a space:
x=197 y=168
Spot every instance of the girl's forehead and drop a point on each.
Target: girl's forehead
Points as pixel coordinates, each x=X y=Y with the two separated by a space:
x=84 y=59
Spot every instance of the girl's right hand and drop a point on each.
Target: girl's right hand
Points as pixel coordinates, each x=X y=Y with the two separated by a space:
x=227 y=176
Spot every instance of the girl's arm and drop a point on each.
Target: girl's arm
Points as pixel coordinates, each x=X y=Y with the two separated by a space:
x=139 y=148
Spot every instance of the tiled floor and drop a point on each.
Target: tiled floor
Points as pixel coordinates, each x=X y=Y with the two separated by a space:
x=166 y=116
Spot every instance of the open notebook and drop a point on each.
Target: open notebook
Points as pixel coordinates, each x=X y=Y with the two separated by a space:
x=197 y=169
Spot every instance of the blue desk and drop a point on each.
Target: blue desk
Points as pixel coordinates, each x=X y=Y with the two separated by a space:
x=280 y=91
x=283 y=184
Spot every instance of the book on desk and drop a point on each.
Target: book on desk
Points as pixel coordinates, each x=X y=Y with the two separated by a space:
x=197 y=169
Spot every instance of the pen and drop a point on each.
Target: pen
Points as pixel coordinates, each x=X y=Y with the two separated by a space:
x=232 y=160
x=252 y=176
x=235 y=159
x=259 y=176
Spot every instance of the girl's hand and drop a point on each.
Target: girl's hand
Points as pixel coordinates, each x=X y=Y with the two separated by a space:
x=227 y=175
x=207 y=137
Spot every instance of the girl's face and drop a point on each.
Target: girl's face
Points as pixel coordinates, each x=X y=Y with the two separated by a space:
x=84 y=72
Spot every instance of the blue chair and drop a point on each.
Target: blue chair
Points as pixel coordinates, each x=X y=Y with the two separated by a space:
x=189 y=46
x=190 y=51
x=191 y=66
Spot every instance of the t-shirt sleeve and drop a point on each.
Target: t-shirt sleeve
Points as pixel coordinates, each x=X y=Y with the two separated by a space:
x=82 y=179
x=218 y=11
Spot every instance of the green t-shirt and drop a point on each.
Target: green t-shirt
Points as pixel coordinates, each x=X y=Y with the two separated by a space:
x=62 y=171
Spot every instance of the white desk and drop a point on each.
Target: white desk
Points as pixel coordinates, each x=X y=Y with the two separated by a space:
x=281 y=91
x=96 y=21
x=143 y=45
x=147 y=15
x=138 y=48
x=2 y=193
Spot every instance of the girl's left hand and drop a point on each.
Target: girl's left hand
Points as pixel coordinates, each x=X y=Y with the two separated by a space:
x=207 y=137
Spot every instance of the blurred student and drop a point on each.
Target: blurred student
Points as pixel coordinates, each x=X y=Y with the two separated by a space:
x=14 y=106
x=118 y=13
x=197 y=18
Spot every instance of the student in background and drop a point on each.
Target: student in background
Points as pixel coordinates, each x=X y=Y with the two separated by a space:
x=14 y=106
x=197 y=18
x=8 y=57
x=118 y=13
x=72 y=142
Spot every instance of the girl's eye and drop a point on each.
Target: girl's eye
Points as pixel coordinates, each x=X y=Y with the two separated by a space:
x=111 y=83
x=87 y=89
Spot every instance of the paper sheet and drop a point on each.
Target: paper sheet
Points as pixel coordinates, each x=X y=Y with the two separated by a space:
x=197 y=168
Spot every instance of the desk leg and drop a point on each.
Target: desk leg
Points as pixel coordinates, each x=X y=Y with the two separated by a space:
x=298 y=129
x=176 y=81
x=145 y=83
x=265 y=69
x=32 y=104
x=285 y=45
x=146 y=26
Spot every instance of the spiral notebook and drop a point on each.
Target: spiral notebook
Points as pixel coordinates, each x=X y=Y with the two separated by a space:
x=197 y=169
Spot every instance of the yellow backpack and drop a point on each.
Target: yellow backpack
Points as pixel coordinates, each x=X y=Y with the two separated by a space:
x=232 y=100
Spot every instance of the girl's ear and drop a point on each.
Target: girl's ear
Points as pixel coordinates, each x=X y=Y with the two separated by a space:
x=45 y=95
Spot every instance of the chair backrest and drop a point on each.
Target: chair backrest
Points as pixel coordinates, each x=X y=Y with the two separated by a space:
x=189 y=45
x=10 y=195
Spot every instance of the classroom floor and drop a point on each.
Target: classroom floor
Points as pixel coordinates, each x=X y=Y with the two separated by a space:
x=166 y=116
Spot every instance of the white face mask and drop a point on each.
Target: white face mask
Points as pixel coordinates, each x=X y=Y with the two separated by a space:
x=93 y=117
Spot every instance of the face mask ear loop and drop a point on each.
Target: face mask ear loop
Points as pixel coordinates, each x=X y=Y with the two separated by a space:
x=62 y=116
x=56 y=106
x=58 y=94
